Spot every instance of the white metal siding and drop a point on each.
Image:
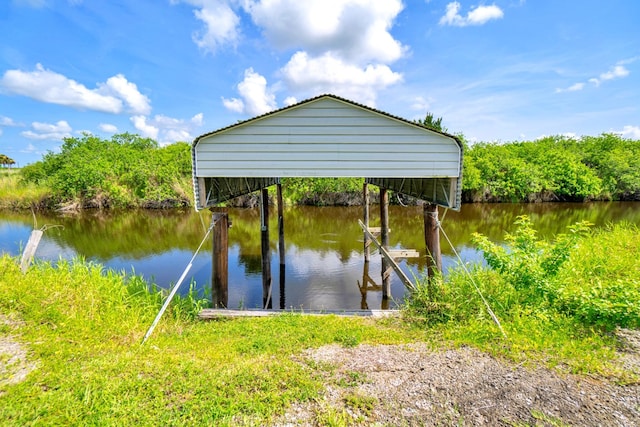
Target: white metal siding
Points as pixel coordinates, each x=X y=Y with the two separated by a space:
x=327 y=138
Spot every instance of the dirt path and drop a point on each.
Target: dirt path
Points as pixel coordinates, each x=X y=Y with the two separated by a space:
x=413 y=385
x=14 y=365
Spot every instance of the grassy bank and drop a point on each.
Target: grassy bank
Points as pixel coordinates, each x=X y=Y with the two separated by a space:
x=81 y=328
x=15 y=193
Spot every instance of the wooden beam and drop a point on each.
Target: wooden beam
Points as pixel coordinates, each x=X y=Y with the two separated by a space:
x=266 y=250
x=432 y=241
x=385 y=254
x=202 y=192
x=211 y=314
x=220 y=260
x=365 y=195
x=281 y=246
x=384 y=240
x=403 y=253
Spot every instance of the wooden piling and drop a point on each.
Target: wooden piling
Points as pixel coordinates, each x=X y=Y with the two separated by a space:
x=365 y=220
x=30 y=249
x=384 y=241
x=432 y=241
x=220 y=260
x=266 y=250
x=281 y=247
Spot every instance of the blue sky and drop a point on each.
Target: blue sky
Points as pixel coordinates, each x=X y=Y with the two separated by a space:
x=174 y=69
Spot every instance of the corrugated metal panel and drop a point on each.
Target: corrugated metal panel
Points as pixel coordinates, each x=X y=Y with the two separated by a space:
x=327 y=136
x=442 y=191
x=330 y=138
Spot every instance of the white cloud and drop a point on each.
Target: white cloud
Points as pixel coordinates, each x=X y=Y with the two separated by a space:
x=108 y=128
x=616 y=72
x=343 y=46
x=329 y=74
x=290 y=100
x=257 y=98
x=7 y=121
x=43 y=131
x=221 y=24
x=48 y=86
x=631 y=132
x=128 y=92
x=420 y=104
x=167 y=130
x=478 y=16
x=234 y=104
x=573 y=88
x=30 y=149
x=198 y=119
x=147 y=130
x=354 y=30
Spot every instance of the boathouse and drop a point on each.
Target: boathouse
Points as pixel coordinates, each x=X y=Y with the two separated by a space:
x=328 y=136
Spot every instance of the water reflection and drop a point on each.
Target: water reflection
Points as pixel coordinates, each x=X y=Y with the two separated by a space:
x=324 y=260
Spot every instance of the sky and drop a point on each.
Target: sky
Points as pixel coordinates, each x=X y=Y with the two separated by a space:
x=171 y=70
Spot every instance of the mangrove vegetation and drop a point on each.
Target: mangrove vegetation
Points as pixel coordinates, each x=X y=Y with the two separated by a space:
x=130 y=171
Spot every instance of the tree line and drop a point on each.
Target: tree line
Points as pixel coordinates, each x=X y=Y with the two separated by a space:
x=131 y=171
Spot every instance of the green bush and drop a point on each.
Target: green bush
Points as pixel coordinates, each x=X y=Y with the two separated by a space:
x=600 y=284
x=592 y=277
x=553 y=168
x=126 y=171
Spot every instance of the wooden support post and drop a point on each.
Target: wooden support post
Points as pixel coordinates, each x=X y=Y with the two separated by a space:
x=220 y=260
x=30 y=249
x=266 y=250
x=365 y=286
x=384 y=241
x=432 y=241
x=281 y=247
x=365 y=203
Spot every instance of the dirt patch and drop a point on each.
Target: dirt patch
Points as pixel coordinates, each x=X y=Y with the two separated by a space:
x=14 y=365
x=413 y=385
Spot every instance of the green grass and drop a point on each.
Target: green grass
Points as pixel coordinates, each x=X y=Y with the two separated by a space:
x=17 y=194
x=82 y=326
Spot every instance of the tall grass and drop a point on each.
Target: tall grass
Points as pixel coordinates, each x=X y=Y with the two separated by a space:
x=15 y=193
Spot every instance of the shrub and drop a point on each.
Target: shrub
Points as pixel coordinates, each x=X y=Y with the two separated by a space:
x=592 y=277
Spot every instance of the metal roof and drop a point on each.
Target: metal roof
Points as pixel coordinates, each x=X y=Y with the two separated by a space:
x=305 y=142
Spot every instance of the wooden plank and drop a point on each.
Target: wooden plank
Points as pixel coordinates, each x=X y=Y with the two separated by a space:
x=211 y=313
x=403 y=253
x=403 y=277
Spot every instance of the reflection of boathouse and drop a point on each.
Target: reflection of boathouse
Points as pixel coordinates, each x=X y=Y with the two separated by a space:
x=326 y=136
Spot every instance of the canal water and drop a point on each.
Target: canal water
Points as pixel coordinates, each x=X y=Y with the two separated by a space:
x=324 y=261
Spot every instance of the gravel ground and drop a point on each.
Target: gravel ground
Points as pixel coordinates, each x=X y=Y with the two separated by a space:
x=411 y=385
